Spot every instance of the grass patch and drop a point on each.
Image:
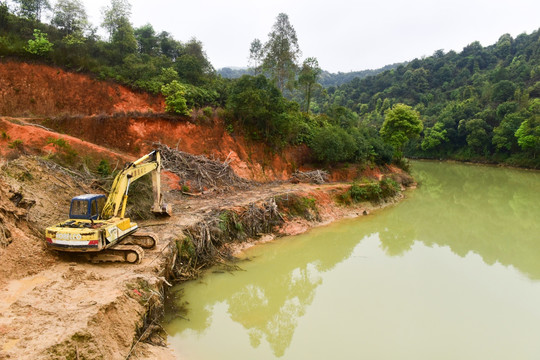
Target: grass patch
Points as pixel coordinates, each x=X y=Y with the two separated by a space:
x=294 y=205
x=372 y=191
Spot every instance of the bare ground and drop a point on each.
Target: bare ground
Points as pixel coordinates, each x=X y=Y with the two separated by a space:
x=54 y=306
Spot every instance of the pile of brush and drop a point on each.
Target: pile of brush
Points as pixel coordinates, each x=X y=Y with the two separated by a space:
x=201 y=172
x=313 y=177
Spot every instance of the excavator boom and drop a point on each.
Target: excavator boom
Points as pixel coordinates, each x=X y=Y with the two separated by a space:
x=116 y=202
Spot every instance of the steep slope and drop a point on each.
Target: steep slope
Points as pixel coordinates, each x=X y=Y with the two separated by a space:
x=112 y=116
x=31 y=90
x=137 y=135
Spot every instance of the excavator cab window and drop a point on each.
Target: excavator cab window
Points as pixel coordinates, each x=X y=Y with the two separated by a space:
x=93 y=208
x=79 y=208
x=100 y=204
x=86 y=206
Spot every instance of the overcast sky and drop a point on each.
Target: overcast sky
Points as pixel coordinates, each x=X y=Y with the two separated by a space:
x=343 y=35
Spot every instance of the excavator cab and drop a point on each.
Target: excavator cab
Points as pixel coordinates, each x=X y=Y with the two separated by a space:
x=88 y=206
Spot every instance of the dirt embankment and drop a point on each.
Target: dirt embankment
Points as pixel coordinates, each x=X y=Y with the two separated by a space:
x=54 y=306
x=138 y=135
x=31 y=90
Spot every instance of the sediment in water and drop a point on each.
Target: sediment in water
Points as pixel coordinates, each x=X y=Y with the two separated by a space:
x=223 y=232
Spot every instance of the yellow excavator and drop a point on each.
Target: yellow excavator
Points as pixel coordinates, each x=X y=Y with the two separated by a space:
x=97 y=226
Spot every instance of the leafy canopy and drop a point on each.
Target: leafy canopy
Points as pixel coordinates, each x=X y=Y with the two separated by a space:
x=175 y=101
x=40 y=45
x=281 y=53
x=401 y=124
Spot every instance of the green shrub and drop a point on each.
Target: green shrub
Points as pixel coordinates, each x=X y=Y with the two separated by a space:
x=357 y=192
x=371 y=191
x=186 y=248
x=104 y=168
x=175 y=101
x=298 y=206
x=16 y=144
x=332 y=144
x=389 y=187
x=208 y=112
x=64 y=148
x=40 y=45
x=230 y=226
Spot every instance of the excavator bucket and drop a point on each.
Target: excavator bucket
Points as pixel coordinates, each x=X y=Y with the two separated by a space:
x=164 y=210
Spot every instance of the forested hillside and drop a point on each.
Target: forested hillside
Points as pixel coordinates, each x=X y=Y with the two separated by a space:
x=272 y=106
x=326 y=78
x=480 y=104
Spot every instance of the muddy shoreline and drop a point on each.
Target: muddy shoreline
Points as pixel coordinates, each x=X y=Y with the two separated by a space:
x=328 y=212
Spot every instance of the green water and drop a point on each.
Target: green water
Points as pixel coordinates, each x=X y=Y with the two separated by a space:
x=452 y=272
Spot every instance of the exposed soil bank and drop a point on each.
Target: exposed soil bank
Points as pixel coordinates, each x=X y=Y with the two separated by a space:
x=138 y=134
x=61 y=307
x=40 y=90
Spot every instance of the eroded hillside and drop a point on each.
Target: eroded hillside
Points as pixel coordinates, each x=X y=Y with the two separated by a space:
x=55 y=129
x=35 y=90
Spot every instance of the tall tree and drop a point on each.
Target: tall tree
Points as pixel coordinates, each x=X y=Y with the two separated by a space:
x=282 y=53
x=147 y=40
x=123 y=40
x=401 y=124
x=257 y=102
x=192 y=64
x=70 y=16
x=528 y=134
x=307 y=78
x=256 y=55
x=168 y=46
x=116 y=15
x=31 y=9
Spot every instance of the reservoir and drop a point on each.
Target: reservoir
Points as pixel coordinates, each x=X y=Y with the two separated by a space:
x=451 y=272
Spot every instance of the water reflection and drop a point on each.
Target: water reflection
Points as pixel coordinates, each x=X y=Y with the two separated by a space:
x=492 y=212
x=468 y=209
x=268 y=304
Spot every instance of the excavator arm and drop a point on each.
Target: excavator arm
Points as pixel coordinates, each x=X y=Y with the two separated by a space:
x=117 y=199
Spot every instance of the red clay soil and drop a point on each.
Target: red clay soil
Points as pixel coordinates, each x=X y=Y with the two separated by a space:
x=137 y=136
x=18 y=137
x=91 y=112
x=40 y=90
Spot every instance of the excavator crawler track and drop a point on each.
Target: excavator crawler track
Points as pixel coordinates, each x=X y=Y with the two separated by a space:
x=146 y=240
x=132 y=254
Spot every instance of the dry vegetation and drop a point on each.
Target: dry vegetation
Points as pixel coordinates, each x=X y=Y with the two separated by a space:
x=313 y=177
x=199 y=172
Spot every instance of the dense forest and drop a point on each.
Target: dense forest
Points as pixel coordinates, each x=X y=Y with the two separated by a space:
x=326 y=78
x=481 y=104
